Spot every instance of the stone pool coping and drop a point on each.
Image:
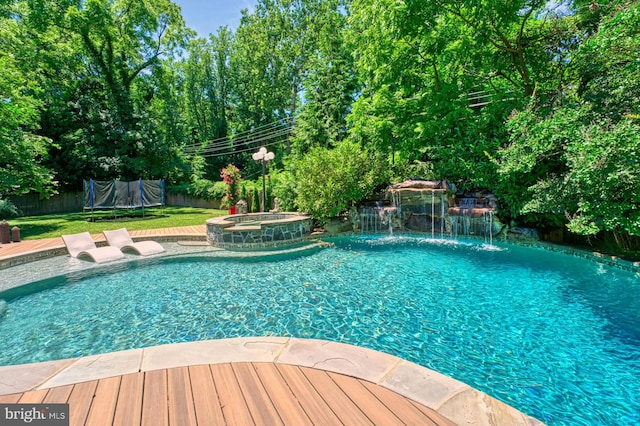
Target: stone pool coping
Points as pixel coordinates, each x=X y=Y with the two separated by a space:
x=449 y=397
x=594 y=256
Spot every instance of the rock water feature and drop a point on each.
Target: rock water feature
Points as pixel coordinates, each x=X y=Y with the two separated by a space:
x=434 y=207
x=473 y=214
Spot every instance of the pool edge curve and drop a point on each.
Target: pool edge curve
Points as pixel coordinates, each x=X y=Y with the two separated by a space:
x=449 y=397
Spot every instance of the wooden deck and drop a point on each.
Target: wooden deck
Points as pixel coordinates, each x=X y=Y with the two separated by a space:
x=234 y=394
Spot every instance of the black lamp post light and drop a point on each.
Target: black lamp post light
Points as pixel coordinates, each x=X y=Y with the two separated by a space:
x=263 y=157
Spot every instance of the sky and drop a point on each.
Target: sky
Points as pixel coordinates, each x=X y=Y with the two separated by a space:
x=206 y=16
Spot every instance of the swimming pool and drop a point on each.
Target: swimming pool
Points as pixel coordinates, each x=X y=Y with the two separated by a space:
x=556 y=336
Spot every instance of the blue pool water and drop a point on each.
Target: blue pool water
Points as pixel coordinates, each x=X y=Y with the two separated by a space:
x=554 y=335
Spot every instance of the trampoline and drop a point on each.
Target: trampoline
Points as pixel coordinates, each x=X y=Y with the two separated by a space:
x=115 y=194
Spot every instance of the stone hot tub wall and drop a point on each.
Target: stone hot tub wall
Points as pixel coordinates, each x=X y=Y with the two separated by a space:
x=258 y=230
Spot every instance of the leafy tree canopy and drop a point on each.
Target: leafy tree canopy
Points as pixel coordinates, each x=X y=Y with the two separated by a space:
x=21 y=168
x=536 y=100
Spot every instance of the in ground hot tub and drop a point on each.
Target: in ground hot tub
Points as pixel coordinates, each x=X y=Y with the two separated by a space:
x=257 y=230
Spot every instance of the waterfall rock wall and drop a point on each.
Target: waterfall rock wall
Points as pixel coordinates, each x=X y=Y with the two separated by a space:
x=435 y=207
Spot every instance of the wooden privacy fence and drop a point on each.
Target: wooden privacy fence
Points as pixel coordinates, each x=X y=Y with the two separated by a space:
x=32 y=205
x=185 y=200
x=69 y=202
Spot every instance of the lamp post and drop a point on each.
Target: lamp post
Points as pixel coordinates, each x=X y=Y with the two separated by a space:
x=263 y=157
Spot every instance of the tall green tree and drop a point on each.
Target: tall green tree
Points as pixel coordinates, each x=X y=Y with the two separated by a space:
x=270 y=57
x=330 y=85
x=23 y=150
x=206 y=84
x=578 y=163
x=207 y=101
x=440 y=78
x=121 y=44
x=163 y=123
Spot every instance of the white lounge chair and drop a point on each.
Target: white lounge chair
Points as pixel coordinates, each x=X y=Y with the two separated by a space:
x=83 y=245
x=121 y=239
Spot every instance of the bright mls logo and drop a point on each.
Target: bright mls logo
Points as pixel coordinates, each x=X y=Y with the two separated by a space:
x=34 y=414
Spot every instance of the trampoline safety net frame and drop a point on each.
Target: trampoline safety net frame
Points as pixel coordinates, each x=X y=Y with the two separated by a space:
x=115 y=194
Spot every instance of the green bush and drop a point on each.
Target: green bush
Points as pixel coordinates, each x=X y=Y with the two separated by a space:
x=247 y=190
x=415 y=169
x=575 y=166
x=329 y=182
x=255 y=201
x=283 y=187
x=8 y=210
x=201 y=188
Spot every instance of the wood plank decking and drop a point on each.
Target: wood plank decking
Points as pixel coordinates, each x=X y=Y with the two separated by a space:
x=234 y=394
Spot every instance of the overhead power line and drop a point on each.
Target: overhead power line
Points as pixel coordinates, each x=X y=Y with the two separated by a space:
x=238 y=151
x=249 y=145
x=282 y=121
x=243 y=138
x=244 y=142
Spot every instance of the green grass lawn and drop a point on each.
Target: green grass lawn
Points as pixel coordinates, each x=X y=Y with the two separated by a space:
x=49 y=226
